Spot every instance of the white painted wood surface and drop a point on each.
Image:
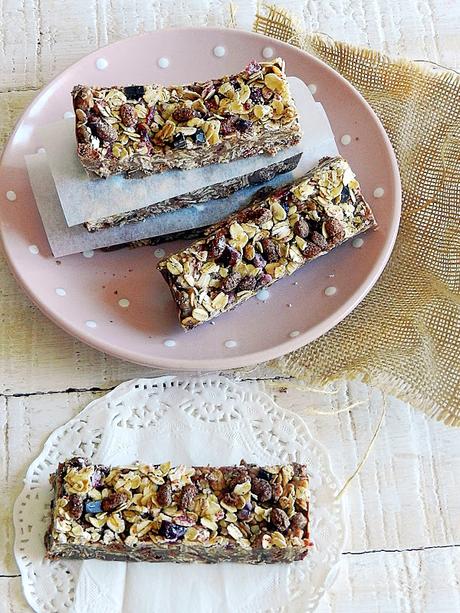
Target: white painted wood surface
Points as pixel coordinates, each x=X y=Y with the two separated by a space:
x=403 y=548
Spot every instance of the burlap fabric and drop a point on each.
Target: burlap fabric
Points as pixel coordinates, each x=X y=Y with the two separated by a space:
x=405 y=336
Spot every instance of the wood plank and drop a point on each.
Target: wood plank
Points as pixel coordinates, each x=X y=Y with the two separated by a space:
x=398 y=582
x=44 y=38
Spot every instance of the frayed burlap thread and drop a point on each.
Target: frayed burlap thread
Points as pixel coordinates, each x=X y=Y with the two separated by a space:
x=405 y=336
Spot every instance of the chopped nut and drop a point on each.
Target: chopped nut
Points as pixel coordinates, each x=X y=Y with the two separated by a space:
x=164 y=495
x=128 y=115
x=114 y=501
x=262 y=489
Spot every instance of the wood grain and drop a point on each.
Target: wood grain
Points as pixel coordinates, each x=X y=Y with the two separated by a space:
x=402 y=509
x=403 y=547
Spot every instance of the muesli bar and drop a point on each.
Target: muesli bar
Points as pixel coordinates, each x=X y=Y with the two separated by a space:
x=145 y=129
x=211 y=192
x=161 y=513
x=268 y=240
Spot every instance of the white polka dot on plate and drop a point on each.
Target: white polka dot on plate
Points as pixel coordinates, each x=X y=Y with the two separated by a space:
x=10 y=195
x=60 y=291
x=230 y=344
x=378 y=192
x=312 y=87
x=159 y=253
x=163 y=62
x=219 y=51
x=294 y=333
x=358 y=243
x=101 y=63
x=263 y=295
x=124 y=303
x=90 y=323
x=330 y=291
x=169 y=343
x=34 y=250
x=68 y=115
x=267 y=52
x=88 y=254
x=346 y=139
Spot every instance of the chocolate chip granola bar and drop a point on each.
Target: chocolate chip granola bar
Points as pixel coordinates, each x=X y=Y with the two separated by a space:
x=266 y=241
x=162 y=513
x=140 y=130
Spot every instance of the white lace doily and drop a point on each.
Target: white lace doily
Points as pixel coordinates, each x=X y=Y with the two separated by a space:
x=194 y=421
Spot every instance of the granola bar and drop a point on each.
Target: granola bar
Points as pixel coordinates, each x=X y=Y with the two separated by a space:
x=219 y=190
x=161 y=513
x=266 y=241
x=140 y=130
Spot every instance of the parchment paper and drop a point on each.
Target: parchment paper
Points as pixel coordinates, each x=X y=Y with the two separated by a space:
x=317 y=142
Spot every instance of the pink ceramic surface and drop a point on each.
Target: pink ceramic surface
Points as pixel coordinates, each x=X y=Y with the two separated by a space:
x=118 y=302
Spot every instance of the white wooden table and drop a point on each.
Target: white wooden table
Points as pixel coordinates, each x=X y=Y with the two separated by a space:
x=403 y=547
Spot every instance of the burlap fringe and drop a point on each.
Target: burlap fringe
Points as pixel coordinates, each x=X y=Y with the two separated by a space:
x=416 y=301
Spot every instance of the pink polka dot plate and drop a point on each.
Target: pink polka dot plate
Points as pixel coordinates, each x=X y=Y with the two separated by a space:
x=116 y=301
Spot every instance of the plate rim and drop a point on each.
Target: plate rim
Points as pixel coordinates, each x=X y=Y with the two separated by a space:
x=251 y=358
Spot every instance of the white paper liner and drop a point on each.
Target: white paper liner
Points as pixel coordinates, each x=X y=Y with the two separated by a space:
x=98 y=198
x=196 y=420
x=318 y=141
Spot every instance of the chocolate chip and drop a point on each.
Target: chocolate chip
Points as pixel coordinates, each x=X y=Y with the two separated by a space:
x=74 y=506
x=164 y=495
x=270 y=249
x=301 y=228
x=279 y=519
x=113 y=501
x=189 y=493
x=134 y=92
x=262 y=489
x=318 y=239
x=231 y=282
x=182 y=114
x=128 y=115
x=179 y=141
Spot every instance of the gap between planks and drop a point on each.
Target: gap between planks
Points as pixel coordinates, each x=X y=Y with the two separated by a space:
x=81 y=390
x=344 y=553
